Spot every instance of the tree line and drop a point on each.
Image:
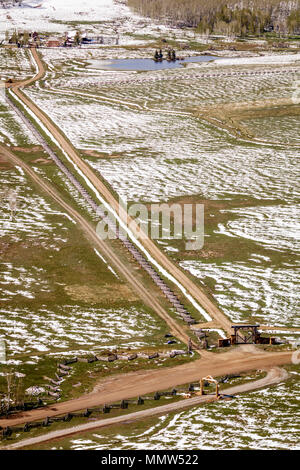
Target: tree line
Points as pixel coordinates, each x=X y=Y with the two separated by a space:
x=229 y=17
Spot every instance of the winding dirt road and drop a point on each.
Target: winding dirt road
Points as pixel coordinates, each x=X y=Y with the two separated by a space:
x=127 y=386
x=197 y=293
x=274 y=376
x=145 y=294
x=131 y=385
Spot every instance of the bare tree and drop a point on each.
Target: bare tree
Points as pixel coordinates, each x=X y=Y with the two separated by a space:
x=14 y=395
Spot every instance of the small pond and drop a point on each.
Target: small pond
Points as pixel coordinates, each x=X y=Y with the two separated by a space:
x=147 y=64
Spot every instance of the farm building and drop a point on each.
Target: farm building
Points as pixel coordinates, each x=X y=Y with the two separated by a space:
x=53 y=42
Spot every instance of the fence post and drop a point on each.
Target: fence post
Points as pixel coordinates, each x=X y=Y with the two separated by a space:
x=46 y=422
x=7 y=432
x=140 y=401
x=26 y=427
x=68 y=417
x=106 y=409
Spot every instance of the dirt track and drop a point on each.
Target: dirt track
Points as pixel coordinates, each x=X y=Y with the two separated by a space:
x=142 y=382
x=197 y=293
x=125 y=386
x=274 y=376
x=144 y=294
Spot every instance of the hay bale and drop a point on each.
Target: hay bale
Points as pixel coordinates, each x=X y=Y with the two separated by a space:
x=112 y=357
x=92 y=359
x=101 y=358
x=7 y=432
x=26 y=427
x=179 y=352
x=83 y=359
x=71 y=361
x=68 y=417
x=153 y=356
x=62 y=372
x=64 y=367
x=46 y=422
x=55 y=383
x=132 y=357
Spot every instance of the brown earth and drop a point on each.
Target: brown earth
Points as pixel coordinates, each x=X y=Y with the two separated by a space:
x=143 y=382
x=197 y=293
x=274 y=376
x=148 y=297
x=92 y=294
x=94 y=153
x=232 y=116
x=34 y=149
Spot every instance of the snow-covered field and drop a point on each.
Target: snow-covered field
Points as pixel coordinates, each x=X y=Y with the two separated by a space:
x=255 y=289
x=276 y=129
x=12 y=129
x=166 y=155
x=165 y=151
x=275 y=227
x=102 y=17
x=15 y=63
x=37 y=312
x=72 y=327
x=161 y=150
x=35 y=219
x=215 y=174
x=46 y=15
x=167 y=89
x=271 y=59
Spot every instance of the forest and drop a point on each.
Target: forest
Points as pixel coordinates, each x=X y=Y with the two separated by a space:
x=227 y=17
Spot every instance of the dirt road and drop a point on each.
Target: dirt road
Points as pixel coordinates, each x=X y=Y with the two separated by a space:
x=196 y=292
x=274 y=376
x=105 y=249
x=125 y=386
x=142 y=382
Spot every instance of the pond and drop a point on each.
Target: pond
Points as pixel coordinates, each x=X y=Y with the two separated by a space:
x=146 y=64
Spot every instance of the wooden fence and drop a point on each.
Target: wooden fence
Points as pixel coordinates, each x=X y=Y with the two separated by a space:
x=106 y=408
